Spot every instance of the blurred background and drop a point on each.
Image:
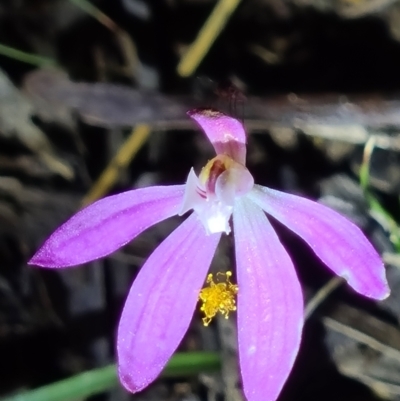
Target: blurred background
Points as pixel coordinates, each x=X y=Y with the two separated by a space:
x=93 y=101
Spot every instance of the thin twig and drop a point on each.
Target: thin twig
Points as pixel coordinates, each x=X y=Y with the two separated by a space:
x=206 y=36
x=321 y=295
x=126 y=153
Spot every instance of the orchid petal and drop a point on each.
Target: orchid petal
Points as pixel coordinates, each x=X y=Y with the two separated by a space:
x=161 y=303
x=270 y=304
x=108 y=224
x=225 y=133
x=339 y=243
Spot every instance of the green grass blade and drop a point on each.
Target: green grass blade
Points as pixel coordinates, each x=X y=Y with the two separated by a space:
x=98 y=380
x=25 y=57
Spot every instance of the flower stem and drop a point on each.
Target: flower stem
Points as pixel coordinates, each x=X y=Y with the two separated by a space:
x=98 y=380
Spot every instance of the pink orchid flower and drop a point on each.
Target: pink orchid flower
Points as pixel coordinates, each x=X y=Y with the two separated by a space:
x=164 y=295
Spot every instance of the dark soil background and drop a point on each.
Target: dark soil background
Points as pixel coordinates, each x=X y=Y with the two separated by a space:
x=57 y=137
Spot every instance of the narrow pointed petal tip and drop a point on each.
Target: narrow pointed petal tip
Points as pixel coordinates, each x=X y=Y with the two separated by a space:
x=108 y=224
x=225 y=133
x=161 y=303
x=338 y=242
x=270 y=304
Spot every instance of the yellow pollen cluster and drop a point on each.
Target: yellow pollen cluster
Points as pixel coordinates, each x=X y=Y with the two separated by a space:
x=218 y=297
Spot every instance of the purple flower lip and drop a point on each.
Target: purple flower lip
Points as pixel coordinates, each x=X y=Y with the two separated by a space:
x=163 y=297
